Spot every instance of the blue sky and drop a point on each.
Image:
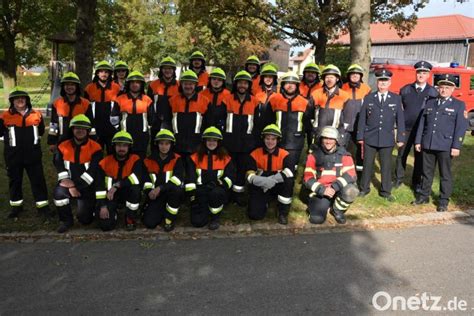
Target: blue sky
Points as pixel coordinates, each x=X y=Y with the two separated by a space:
x=448 y=7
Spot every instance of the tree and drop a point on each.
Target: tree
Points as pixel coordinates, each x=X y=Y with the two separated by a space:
x=359 y=28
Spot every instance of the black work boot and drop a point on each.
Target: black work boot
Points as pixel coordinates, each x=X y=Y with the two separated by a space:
x=15 y=212
x=338 y=215
x=64 y=227
x=214 y=223
x=169 y=225
x=130 y=223
x=420 y=200
x=45 y=212
x=283 y=219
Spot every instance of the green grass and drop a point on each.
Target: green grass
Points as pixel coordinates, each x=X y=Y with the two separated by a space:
x=372 y=206
x=33 y=85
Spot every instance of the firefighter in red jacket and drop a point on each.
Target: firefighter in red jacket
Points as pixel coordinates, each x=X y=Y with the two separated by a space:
x=135 y=111
x=160 y=91
x=76 y=161
x=121 y=72
x=357 y=90
x=239 y=135
x=22 y=128
x=216 y=92
x=269 y=174
x=267 y=87
x=329 y=101
x=197 y=63
x=118 y=181
x=188 y=109
x=102 y=93
x=310 y=81
x=331 y=178
x=252 y=66
x=68 y=105
x=163 y=186
x=210 y=173
x=292 y=115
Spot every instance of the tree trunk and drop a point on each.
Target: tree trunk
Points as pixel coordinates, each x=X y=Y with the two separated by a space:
x=8 y=64
x=320 y=47
x=86 y=14
x=359 y=28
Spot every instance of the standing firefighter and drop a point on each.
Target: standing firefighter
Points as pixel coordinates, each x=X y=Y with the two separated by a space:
x=68 y=105
x=197 y=63
x=329 y=101
x=267 y=87
x=269 y=175
x=310 y=81
x=331 y=178
x=414 y=97
x=160 y=91
x=22 y=128
x=357 y=91
x=216 y=92
x=439 y=138
x=117 y=183
x=121 y=72
x=135 y=109
x=102 y=92
x=292 y=115
x=239 y=135
x=164 y=183
x=252 y=66
x=76 y=161
x=210 y=173
x=381 y=113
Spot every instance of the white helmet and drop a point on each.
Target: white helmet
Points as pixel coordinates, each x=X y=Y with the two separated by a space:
x=329 y=132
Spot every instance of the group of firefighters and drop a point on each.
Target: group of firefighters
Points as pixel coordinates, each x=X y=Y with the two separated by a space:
x=117 y=142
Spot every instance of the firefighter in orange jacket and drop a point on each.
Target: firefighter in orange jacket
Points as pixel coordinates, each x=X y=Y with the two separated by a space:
x=252 y=66
x=135 y=111
x=163 y=186
x=197 y=63
x=22 y=128
x=310 y=81
x=329 y=101
x=330 y=176
x=160 y=91
x=239 y=135
x=267 y=87
x=269 y=174
x=121 y=72
x=210 y=173
x=357 y=90
x=188 y=109
x=216 y=92
x=76 y=161
x=118 y=181
x=68 y=105
x=292 y=114
x=102 y=93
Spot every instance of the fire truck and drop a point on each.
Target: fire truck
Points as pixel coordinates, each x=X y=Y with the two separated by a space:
x=405 y=73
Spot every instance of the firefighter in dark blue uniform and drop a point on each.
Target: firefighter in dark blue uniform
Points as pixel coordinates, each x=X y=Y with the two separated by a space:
x=439 y=138
x=380 y=112
x=414 y=97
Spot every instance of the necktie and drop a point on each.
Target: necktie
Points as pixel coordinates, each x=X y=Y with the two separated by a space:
x=382 y=98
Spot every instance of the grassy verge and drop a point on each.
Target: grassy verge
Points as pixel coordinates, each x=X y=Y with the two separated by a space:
x=32 y=84
x=372 y=206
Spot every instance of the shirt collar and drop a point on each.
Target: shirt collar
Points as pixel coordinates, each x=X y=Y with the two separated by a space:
x=274 y=153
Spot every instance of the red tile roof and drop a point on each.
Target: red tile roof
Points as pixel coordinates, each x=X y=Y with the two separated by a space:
x=303 y=56
x=432 y=29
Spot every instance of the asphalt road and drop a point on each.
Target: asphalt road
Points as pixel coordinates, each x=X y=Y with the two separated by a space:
x=335 y=273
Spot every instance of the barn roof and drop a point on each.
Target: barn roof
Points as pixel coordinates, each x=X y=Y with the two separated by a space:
x=432 y=29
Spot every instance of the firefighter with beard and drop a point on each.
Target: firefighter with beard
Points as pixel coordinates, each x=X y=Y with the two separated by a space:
x=163 y=186
x=330 y=176
x=269 y=175
x=267 y=87
x=252 y=66
x=102 y=93
x=188 y=109
x=121 y=72
x=216 y=92
x=329 y=101
x=310 y=81
x=22 y=128
x=160 y=91
x=135 y=111
x=197 y=63
x=65 y=107
x=118 y=182
x=292 y=115
x=239 y=135
x=210 y=173
x=357 y=90
x=76 y=161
